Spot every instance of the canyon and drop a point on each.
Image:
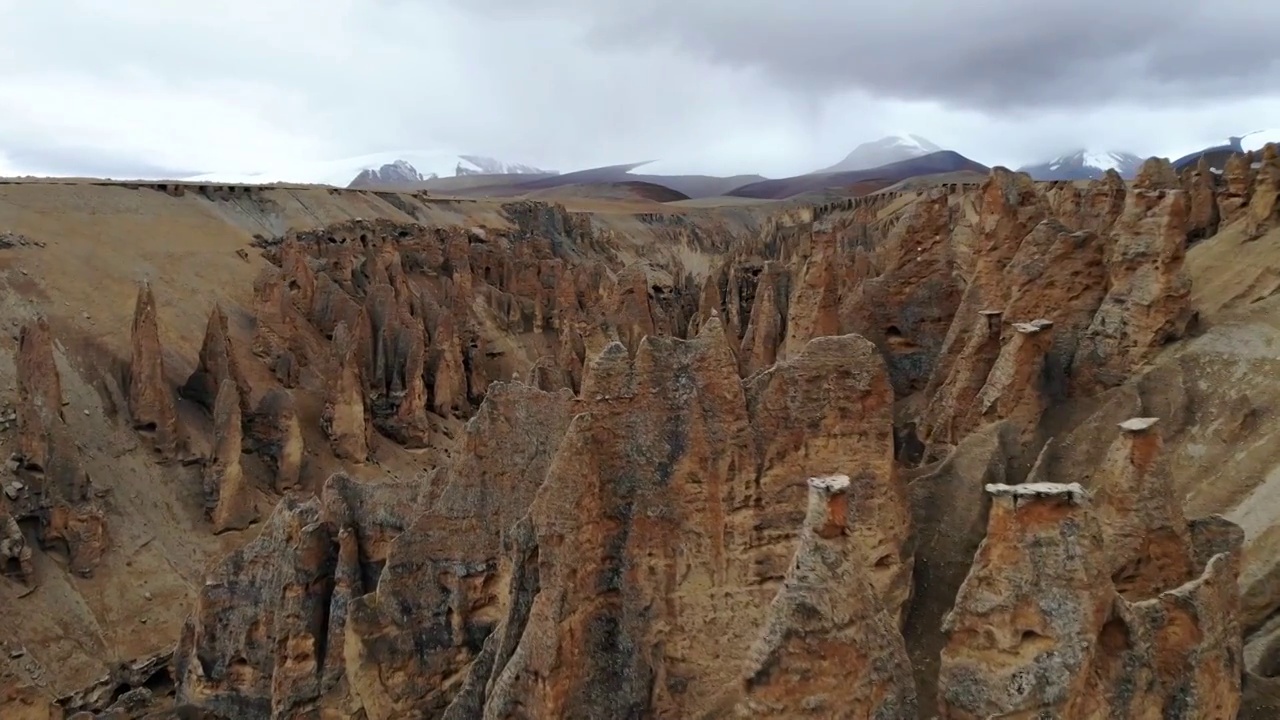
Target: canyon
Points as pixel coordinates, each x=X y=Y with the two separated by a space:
x=986 y=450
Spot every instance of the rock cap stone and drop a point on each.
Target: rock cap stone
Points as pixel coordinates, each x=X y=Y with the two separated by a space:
x=1071 y=492
x=1033 y=327
x=830 y=484
x=1138 y=424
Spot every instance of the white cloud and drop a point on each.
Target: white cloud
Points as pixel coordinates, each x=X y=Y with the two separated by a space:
x=150 y=85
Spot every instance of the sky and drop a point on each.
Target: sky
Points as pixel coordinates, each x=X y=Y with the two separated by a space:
x=156 y=88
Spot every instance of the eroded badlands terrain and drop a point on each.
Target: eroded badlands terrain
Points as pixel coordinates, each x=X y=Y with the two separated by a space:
x=1005 y=450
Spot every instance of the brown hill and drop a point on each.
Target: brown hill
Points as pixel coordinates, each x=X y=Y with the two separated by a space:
x=631 y=190
x=692 y=186
x=881 y=177
x=373 y=454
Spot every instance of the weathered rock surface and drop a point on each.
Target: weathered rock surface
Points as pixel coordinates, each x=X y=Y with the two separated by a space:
x=1022 y=638
x=219 y=362
x=276 y=435
x=745 y=477
x=829 y=648
x=345 y=421
x=1024 y=628
x=58 y=491
x=150 y=398
x=429 y=632
x=1147 y=302
x=265 y=637
x=228 y=497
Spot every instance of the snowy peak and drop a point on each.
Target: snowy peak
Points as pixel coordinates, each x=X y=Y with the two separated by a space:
x=1085 y=165
x=478 y=165
x=399 y=172
x=1259 y=139
x=886 y=150
x=382 y=169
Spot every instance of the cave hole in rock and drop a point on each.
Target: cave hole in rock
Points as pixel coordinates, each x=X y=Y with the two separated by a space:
x=56 y=548
x=1269 y=663
x=159 y=682
x=1114 y=637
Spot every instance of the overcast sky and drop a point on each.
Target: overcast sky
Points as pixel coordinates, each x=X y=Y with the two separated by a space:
x=159 y=87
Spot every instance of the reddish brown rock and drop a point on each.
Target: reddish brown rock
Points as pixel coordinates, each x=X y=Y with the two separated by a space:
x=831 y=403
x=909 y=306
x=1176 y=654
x=1148 y=297
x=256 y=612
x=763 y=335
x=948 y=418
x=219 y=361
x=299 y=277
x=1011 y=207
x=1238 y=184
x=1263 y=212
x=393 y=349
x=150 y=398
x=1146 y=535
x=277 y=329
x=14 y=548
x=48 y=457
x=39 y=395
x=1203 y=216
x=1015 y=388
x=343 y=419
x=446 y=370
x=428 y=632
x=332 y=306
x=813 y=309
x=275 y=433
x=829 y=647
x=733 y=534
x=1025 y=626
x=83 y=530
x=258 y=643
x=228 y=497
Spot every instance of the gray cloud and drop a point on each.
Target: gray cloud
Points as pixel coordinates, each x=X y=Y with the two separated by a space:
x=89 y=162
x=988 y=54
x=153 y=86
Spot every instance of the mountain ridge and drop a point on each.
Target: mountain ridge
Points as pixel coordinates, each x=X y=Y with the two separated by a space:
x=884 y=151
x=1085 y=164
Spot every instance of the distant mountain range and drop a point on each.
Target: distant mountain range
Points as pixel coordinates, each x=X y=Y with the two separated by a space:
x=889 y=161
x=1218 y=154
x=396 y=168
x=885 y=151
x=868 y=180
x=1085 y=165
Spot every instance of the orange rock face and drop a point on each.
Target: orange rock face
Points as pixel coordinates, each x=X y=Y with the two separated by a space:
x=744 y=475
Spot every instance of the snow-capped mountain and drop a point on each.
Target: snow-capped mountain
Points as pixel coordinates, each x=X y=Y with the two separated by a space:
x=1218 y=155
x=399 y=172
x=1259 y=139
x=477 y=165
x=342 y=172
x=1085 y=165
x=891 y=149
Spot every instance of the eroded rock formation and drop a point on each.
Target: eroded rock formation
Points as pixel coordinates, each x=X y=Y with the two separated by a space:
x=53 y=484
x=752 y=489
x=228 y=497
x=150 y=398
x=1039 y=628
